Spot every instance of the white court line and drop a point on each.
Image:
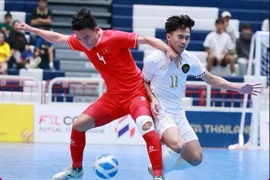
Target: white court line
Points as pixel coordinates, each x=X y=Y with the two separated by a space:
x=23 y=179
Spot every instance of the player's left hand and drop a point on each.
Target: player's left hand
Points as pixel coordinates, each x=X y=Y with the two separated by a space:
x=24 y=27
x=173 y=56
x=155 y=106
x=253 y=89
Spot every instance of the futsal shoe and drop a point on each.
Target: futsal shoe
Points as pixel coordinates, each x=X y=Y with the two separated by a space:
x=159 y=178
x=150 y=170
x=68 y=174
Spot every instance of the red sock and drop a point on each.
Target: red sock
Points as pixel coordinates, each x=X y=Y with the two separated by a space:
x=77 y=144
x=154 y=151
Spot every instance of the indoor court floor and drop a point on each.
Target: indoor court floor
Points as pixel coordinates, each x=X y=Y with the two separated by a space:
x=42 y=161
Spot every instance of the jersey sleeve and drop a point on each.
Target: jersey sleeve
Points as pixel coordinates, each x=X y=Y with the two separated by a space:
x=197 y=69
x=229 y=45
x=149 y=68
x=207 y=42
x=74 y=43
x=125 y=39
x=7 y=52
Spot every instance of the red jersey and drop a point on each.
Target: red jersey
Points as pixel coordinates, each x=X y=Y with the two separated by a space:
x=113 y=59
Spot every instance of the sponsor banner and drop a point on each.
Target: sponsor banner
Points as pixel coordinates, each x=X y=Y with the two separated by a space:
x=53 y=124
x=214 y=129
x=16 y=122
x=218 y=129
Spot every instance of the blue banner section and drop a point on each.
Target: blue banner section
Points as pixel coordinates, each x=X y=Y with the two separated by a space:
x=218 y=129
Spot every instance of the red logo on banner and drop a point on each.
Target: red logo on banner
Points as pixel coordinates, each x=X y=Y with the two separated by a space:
x=49 y=119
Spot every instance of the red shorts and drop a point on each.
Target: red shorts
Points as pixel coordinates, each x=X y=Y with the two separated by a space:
x=110 y=107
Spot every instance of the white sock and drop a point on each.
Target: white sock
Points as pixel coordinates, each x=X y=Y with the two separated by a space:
x=181 y=164
x=169 y=158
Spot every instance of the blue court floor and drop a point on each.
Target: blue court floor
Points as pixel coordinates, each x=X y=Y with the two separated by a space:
x=42 y=161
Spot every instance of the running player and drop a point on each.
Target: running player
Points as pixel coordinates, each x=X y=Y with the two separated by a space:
x=165 y=84
x=109 y=51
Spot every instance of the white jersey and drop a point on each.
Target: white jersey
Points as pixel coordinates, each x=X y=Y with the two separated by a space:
x=218 y=43
x=168 y=81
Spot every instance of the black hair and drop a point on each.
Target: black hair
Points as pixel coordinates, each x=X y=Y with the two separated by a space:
x=246 y=26
x=8 y=15
x=175 y=22
x=82 y=20
x=15 y=21
x=219 y=21
x=43 y=1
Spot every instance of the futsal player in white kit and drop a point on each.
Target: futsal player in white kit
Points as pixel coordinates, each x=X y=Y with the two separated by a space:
x=165 y=83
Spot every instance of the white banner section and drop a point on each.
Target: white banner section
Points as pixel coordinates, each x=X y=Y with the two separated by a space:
x=53 y=124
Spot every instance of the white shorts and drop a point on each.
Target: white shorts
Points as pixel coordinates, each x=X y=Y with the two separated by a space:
x=167 y=121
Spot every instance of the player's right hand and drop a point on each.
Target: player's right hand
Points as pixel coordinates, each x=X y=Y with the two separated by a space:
x=24 y=27
x=172 y=55
x=253 y=89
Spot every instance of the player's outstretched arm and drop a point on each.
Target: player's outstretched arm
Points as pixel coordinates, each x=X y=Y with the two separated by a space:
x=159 y=44
x=50 y=36
x=155 y=106
x=221 y=83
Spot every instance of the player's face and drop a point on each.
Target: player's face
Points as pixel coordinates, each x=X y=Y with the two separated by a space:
x=15 y=25
x=226 y=19
x=8 y=20
x=247 y=32
x=219 y=27
x=179 y=39
x=42 y=5
x=88 y=38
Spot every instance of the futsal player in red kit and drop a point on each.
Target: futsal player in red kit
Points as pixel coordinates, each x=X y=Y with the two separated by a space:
x=109 y=52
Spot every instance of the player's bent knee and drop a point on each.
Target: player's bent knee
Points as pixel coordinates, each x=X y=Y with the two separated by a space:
x=230 y=58
x=76 y=126
x=211 y=58
x=145 y=124
x=83 y=123
x=197 y=159
x=177 y=146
